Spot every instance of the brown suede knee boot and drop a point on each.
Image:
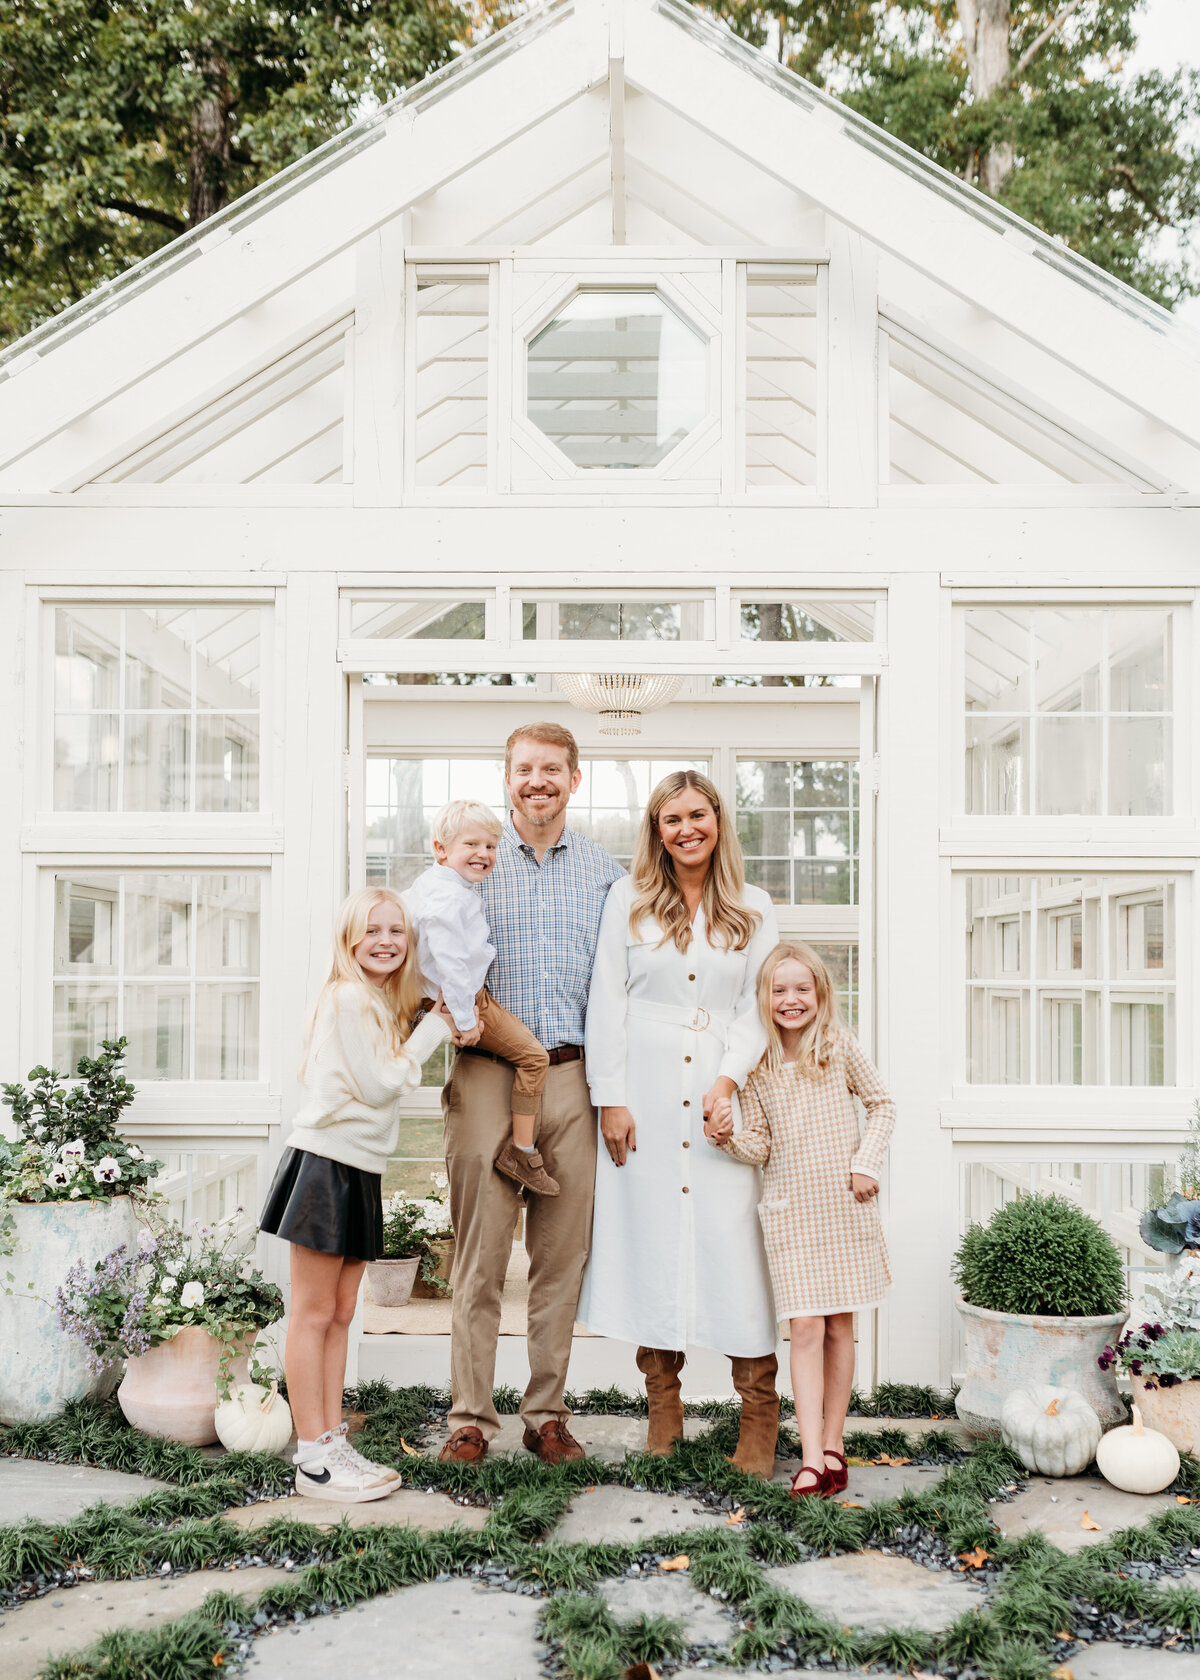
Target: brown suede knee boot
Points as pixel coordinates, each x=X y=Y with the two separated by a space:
x=754 y=1380
x=661 y=1368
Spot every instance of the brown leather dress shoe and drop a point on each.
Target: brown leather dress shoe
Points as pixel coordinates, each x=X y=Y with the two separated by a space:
x=553 y=1442
x=465 y=1446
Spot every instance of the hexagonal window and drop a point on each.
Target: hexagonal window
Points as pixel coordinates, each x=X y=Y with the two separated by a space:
x=616 y=379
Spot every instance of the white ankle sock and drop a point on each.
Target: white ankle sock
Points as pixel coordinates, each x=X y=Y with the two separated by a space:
x=525 y=1148
x=308 y=1452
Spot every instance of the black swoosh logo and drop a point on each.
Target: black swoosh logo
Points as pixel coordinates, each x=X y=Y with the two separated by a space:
x=320 y=1477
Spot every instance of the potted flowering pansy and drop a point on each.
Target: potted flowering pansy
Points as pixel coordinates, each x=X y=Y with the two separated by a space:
x=183 y=1308
x=1162 y=1360
x=69 y=1188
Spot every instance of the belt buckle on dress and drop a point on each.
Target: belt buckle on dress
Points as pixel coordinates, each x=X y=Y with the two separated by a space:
x=696 y=1024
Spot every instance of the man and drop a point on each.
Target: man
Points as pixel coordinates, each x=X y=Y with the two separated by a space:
x=543 y=901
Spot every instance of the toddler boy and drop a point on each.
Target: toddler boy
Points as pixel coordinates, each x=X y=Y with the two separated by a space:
x=455 y=951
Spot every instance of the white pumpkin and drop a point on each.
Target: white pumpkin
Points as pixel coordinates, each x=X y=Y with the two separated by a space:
x=1137 y=1459
x=254 y=1419
x=1052 y=1430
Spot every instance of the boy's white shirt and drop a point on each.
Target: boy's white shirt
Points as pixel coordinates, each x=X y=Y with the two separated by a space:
x=454 y=942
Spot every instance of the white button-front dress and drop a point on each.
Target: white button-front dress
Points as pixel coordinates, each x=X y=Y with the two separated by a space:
x=677 y=1253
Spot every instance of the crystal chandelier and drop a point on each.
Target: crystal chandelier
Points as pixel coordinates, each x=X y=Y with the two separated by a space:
x=618 y=697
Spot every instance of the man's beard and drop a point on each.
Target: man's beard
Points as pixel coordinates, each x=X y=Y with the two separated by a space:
x=539 y=817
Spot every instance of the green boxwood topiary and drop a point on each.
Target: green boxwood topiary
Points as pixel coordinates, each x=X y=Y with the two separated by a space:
x=1041 y=1254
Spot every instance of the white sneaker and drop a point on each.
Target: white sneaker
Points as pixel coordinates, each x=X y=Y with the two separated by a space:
x=333 y=1474
x=342 y=1432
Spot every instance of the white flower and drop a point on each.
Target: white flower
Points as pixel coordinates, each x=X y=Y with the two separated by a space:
x=160 y=1301
x=74 y=1151
x=107 y=1171
x=75 y=1191
x=167 y=1286
x=193 y=1295
x=440 y=1179
x=134 y=1153
x=61 y=1175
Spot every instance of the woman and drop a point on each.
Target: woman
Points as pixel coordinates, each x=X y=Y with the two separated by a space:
x=672 y=1027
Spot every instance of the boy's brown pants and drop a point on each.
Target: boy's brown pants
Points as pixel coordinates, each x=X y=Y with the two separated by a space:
x=504 y=1035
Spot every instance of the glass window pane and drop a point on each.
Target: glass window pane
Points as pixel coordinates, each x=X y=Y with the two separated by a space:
x=841 y=959
x=1138 y=655
x=378 y=618
x=1068 y=766
x=780 y=416
x=997 y=765
x=84 y=1015
x=87 y=659
x=807 y=621
x=451 y=443
x=805 y=810
x=211 y=1187
x=617 y=379
x=86 y=755
x=1138 y=767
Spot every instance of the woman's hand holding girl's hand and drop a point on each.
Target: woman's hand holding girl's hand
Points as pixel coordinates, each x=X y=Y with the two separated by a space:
x=864 y=1188
x=619 y=1133
x=719 y=1124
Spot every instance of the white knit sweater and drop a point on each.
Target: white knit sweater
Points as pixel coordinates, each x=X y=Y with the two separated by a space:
x=353 y=1085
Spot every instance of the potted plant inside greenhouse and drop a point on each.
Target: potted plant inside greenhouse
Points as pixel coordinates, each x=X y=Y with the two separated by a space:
x=184 y=1309
x=417 y=1241
x=1173 y=1227
x=1042 y=1291
x=1161 y=1358
x=70 y=1185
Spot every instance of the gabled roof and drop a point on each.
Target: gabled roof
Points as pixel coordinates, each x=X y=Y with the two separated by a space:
x=766 y=120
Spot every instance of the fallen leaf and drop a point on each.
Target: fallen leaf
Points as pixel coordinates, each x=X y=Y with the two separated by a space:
x=411 y=1451
x=1182 y=1499
x=1062 y=1672
x=975 y=1559
x=1064 y=1633
x=592 y=1489
x=735 y=1517
x=680 y=1562
x=934 y=1416
x=1086 y=1522
x=894 y=1462
x=218 y=1661
x=851 y=1505
x=858 y=1462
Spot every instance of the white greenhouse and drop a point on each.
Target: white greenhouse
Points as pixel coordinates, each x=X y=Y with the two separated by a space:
x=617 y=349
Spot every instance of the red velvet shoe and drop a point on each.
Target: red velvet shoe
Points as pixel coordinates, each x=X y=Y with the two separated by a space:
x=839 y=1477
x=819 y=1489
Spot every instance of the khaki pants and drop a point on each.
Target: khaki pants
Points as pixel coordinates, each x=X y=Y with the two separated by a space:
x=483 y=1207
x=504 y=1035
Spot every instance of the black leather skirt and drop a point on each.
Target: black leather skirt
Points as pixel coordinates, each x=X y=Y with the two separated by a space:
x=325 y=1205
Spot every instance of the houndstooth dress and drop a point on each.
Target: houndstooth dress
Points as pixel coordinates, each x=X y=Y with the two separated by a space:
x=825 y=1251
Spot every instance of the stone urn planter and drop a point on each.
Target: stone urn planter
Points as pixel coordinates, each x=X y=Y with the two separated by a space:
x=1174 y=1411
x=391 y=1281
x=1010 y=1350
x=42 y=1368
x=444 y=1249
x=172 y=1390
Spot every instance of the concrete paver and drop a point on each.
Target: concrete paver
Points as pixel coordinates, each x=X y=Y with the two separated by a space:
x=703 y=1621
x=869 y=1482
x=57 y=1492
x=407 y=1507
x=621 y=1514
x=872 y=1591
x=1133 y=1662
x=453 y=1629
x=1056 y=1505
x=605 y=1438
x=73 y=1618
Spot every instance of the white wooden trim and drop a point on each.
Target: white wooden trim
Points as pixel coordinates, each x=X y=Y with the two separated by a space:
x=851 y=388
x=695 y=658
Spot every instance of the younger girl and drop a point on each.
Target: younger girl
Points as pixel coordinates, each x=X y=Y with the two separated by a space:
x=819 y=1215
x=361 y=1055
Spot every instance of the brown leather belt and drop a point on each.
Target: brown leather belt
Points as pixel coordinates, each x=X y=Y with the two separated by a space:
x=564 y=1053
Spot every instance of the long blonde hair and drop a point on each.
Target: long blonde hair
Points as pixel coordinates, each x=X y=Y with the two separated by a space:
x=817 y=1037
x=395 y=1002
x=657 y=892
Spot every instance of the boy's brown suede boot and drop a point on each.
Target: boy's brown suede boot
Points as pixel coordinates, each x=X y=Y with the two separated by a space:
x=661 y=1368
x=525 y=1166
x=754 y=1380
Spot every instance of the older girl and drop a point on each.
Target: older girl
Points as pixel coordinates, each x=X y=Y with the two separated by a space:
x=361 y=1055
x=672 y=1027
x=819 y=1212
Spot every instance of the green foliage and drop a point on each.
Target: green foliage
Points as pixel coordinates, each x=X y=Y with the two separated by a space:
x=1101 y=160
x=69 y=1146
x=1041 y=1254
x=125 y=122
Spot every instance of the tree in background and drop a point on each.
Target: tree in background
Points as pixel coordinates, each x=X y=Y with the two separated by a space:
x=126 y=122
x=1024 y=99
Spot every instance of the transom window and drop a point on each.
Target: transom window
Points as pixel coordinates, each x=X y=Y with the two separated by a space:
x=1070 y=980
x=617 y=379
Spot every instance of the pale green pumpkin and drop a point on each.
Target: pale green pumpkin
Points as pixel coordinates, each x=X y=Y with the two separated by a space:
x=1052 y=1430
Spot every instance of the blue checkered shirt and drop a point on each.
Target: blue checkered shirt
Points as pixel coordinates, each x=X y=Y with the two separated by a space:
x=545 y=920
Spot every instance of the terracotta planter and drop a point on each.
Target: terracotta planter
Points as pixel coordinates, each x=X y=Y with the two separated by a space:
x=1009 y=1350
x=172 y=1390
x=1174 y=1411
x=444 y=1249
x=391 y=1281
x=42 y=1368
